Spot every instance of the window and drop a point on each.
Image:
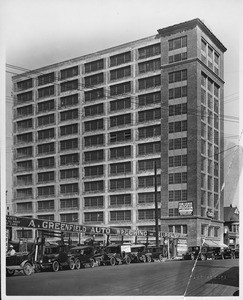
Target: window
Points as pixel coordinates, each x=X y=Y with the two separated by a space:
x=94 y=140
x=149 y=82
x=119 y=184
x=94 y=110
x=120 y=73
x=25 y=124
x=93 y=217
x=120 y=152
x=69 y=72
x=69 y=144
x=177 y=57
x=94 y=66
x=24 y=111
x=92 y=80
x=45 y=106
x=179 y=143
x=203 y=96
x=149 y=115
x=94 y=125
x=45 y=205
x=148 y=99
x=177 y=76
x=148 y=164
x=149 y=51
x=46 y=120
x=46 y=134
x=119 y=59
x=91 y=202
x=25 y=138
x=94 y=171
x=94 y=186
x=148 y=132
x=24 y=166
x=48 y=162
x=24 y=84
x=177 y=178
x=178 y=92
x=24 y=97
x=178 y=195
x=178 y=229
x=24 y=193
x=149 y=148
x=120 y=168
x=69 y=85
x=69 y=203
x=69 y=115
x=69 y=218
x=149 y=66
x=24 y=152
x=120 y=136
x=177 y=161
x=178 y=126
x=24 y=179
x=147 y=198
x=173 y=212
x=120 y=120
x=24 y=234
x=120 y=104
x=46 y=217
x=94 y=95
x=121 y=215
x=69 y=174
x=45 y=79
x=45 y=191
x=46 y=177
x=120 y=200
x=70 y=100
x=71 y=188
x=94 y=156
x=178 y=109
x=147 y=214
x=69 y=159
x=178 y=43
x=148 y=181
x=69 y=129
x=121 y=88
x=46 y=92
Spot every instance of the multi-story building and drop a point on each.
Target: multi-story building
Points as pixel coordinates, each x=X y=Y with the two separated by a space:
x=87 y=132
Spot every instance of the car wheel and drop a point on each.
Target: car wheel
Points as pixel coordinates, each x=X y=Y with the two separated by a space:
x=10 y=272
x=203 y=257
x=149 y=259
x=71 y=264
x=91 y=263
x=192 y=257
x=27 y=269
x=127 y=260
x=143 y=258
x=213 y=257
x=112 y=261
x=77 y=263
x=55 y=266
x=161 y=257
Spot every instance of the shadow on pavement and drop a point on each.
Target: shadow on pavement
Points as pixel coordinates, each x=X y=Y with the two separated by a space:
x=229 y=277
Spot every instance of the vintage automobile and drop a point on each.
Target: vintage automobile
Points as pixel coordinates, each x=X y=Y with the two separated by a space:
x=194 y=253
x=20 y=261
x=235 y=252
x=115 y=254
x=85 y=255
x=57 y=256
x=140 y=254
x=157 y=253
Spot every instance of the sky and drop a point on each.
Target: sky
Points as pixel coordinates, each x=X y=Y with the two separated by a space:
x=42 y=32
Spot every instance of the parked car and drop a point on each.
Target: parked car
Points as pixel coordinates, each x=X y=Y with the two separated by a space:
x=194 y=253
x=157 y=253
x=85 y=255
x=20 y=261
x=140 y=254
x=57 y=256
x=117 y=254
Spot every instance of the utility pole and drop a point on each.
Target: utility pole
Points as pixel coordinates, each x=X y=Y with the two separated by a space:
x=156 y=205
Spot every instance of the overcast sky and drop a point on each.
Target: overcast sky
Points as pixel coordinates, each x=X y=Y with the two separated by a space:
x=39 y=33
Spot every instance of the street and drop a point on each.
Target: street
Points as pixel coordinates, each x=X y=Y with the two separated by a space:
x=209 y=278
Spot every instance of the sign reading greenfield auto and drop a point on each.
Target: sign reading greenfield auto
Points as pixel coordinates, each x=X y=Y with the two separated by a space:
x=22 y=222
x=185 y=208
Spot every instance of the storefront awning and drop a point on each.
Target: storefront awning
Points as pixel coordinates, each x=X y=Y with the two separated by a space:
x=221 y=245
x=210 y=243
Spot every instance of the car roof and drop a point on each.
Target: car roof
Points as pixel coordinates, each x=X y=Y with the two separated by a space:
x=82 y=247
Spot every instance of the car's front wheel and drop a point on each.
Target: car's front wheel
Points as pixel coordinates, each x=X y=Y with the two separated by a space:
x=203 y=257
x=77 y=263
x=161 y=257
x=27 y=269
x=91 y=263
x=55 y=266
x=143 y=258
x=71 y=264
x=10 y=272
x=127 y=260
x=112 y=261
x=149 y=259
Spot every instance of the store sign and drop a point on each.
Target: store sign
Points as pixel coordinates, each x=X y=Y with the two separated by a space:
x=185 y=208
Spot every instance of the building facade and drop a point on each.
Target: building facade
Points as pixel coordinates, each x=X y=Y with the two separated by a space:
x=88 y=131
x=231 y=226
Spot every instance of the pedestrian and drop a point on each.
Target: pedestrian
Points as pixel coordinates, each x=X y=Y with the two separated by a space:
x=11 y=251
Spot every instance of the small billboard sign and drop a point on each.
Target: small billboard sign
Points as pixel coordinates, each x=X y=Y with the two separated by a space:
x=185 y=208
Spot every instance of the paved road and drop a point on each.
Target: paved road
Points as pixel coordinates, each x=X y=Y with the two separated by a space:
x=209 y=278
